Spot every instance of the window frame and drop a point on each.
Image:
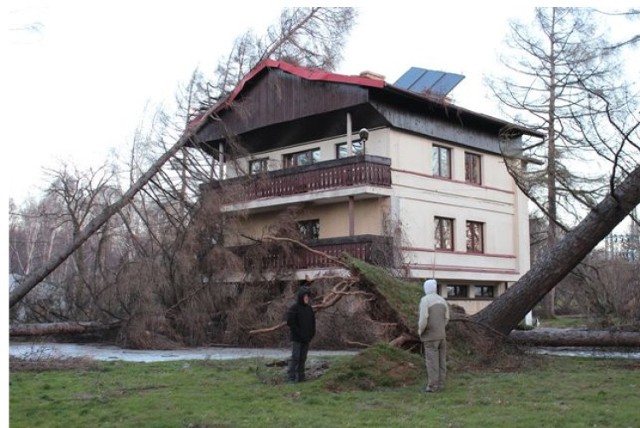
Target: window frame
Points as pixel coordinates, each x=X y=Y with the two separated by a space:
x=471 y=238
x=356 y=152
x=439 y=240
x=482 y=294
x=457 y=291
x=309 y=229
x=290 y=160
x=437 y=161
x=475 y=164
x=264 y=166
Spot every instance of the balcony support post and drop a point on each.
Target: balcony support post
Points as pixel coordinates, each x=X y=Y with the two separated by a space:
x=351 y=217
x=349 y=132
x=221 y=161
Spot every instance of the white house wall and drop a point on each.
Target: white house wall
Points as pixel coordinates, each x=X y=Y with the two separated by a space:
x=417 y=197
x=334 y=220
x=420 y=197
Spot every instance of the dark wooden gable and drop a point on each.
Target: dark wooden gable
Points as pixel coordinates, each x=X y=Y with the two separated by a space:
x=275 y=98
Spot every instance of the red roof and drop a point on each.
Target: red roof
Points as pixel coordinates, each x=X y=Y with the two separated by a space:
x=308 y=74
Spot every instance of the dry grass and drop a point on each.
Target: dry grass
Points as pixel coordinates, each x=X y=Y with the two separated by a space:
x=41 y=363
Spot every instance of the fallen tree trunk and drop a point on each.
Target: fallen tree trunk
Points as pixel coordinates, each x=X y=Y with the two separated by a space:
x=45 y=329
x=575 y=337
x=504 y=313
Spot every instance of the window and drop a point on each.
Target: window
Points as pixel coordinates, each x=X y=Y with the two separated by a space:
x=307 y=157
x=457 y=291
x=441 y=162
x=309 y=229
x=485 y=291
x=472 y=168
x=443 y=233
x=474 y=237
x=258 y=165
x=357 y=147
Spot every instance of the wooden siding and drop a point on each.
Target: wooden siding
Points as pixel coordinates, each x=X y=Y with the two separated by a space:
x=276 y=97
x=457 y=129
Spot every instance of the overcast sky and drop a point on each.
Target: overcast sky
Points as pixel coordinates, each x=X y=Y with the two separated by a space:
x=80 y=75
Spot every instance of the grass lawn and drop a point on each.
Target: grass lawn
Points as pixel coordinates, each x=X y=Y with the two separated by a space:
x=551 y=392
x=565 y=322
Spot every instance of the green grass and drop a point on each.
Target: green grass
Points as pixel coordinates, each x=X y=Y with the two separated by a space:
x=565 y=322
x=403 y=296
x=553 y=392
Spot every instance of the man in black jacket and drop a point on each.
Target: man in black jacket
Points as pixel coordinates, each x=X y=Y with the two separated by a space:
x=302 y=324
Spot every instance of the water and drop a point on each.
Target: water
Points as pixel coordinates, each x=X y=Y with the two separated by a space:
x=37 y=351
x=615 y=353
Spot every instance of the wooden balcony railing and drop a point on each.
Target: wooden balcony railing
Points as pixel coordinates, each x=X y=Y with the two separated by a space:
x=333 y=174
x=370 y=248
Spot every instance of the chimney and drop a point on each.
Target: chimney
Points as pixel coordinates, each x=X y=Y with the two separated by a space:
x=371 y=75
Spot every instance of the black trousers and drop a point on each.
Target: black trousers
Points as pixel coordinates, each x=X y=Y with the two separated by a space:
x=299 y=352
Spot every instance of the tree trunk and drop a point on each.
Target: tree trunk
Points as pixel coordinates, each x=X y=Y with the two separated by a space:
x=574 y=337
x=45 y=329
x=33 y=279
x=504 y=313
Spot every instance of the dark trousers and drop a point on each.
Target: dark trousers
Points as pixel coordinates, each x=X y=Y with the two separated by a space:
x=296 y=363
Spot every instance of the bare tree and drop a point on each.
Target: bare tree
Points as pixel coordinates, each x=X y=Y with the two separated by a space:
x=91 y=227
x=554 y=67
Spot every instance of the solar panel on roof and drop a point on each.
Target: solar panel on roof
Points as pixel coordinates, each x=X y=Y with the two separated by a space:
x=423 y=81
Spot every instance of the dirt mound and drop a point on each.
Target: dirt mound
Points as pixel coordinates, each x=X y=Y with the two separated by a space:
x=380 y=366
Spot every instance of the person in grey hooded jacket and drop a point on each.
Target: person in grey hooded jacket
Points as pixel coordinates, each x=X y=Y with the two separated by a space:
x=302 y=325
x=433 y=318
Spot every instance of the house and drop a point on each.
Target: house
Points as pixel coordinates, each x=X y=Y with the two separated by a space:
x=380 y=171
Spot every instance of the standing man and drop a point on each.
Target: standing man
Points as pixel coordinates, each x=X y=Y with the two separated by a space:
x=302 y=325
x=434 y=316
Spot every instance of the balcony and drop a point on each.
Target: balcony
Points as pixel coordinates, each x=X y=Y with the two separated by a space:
x=373 y=249
x=364 y=170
